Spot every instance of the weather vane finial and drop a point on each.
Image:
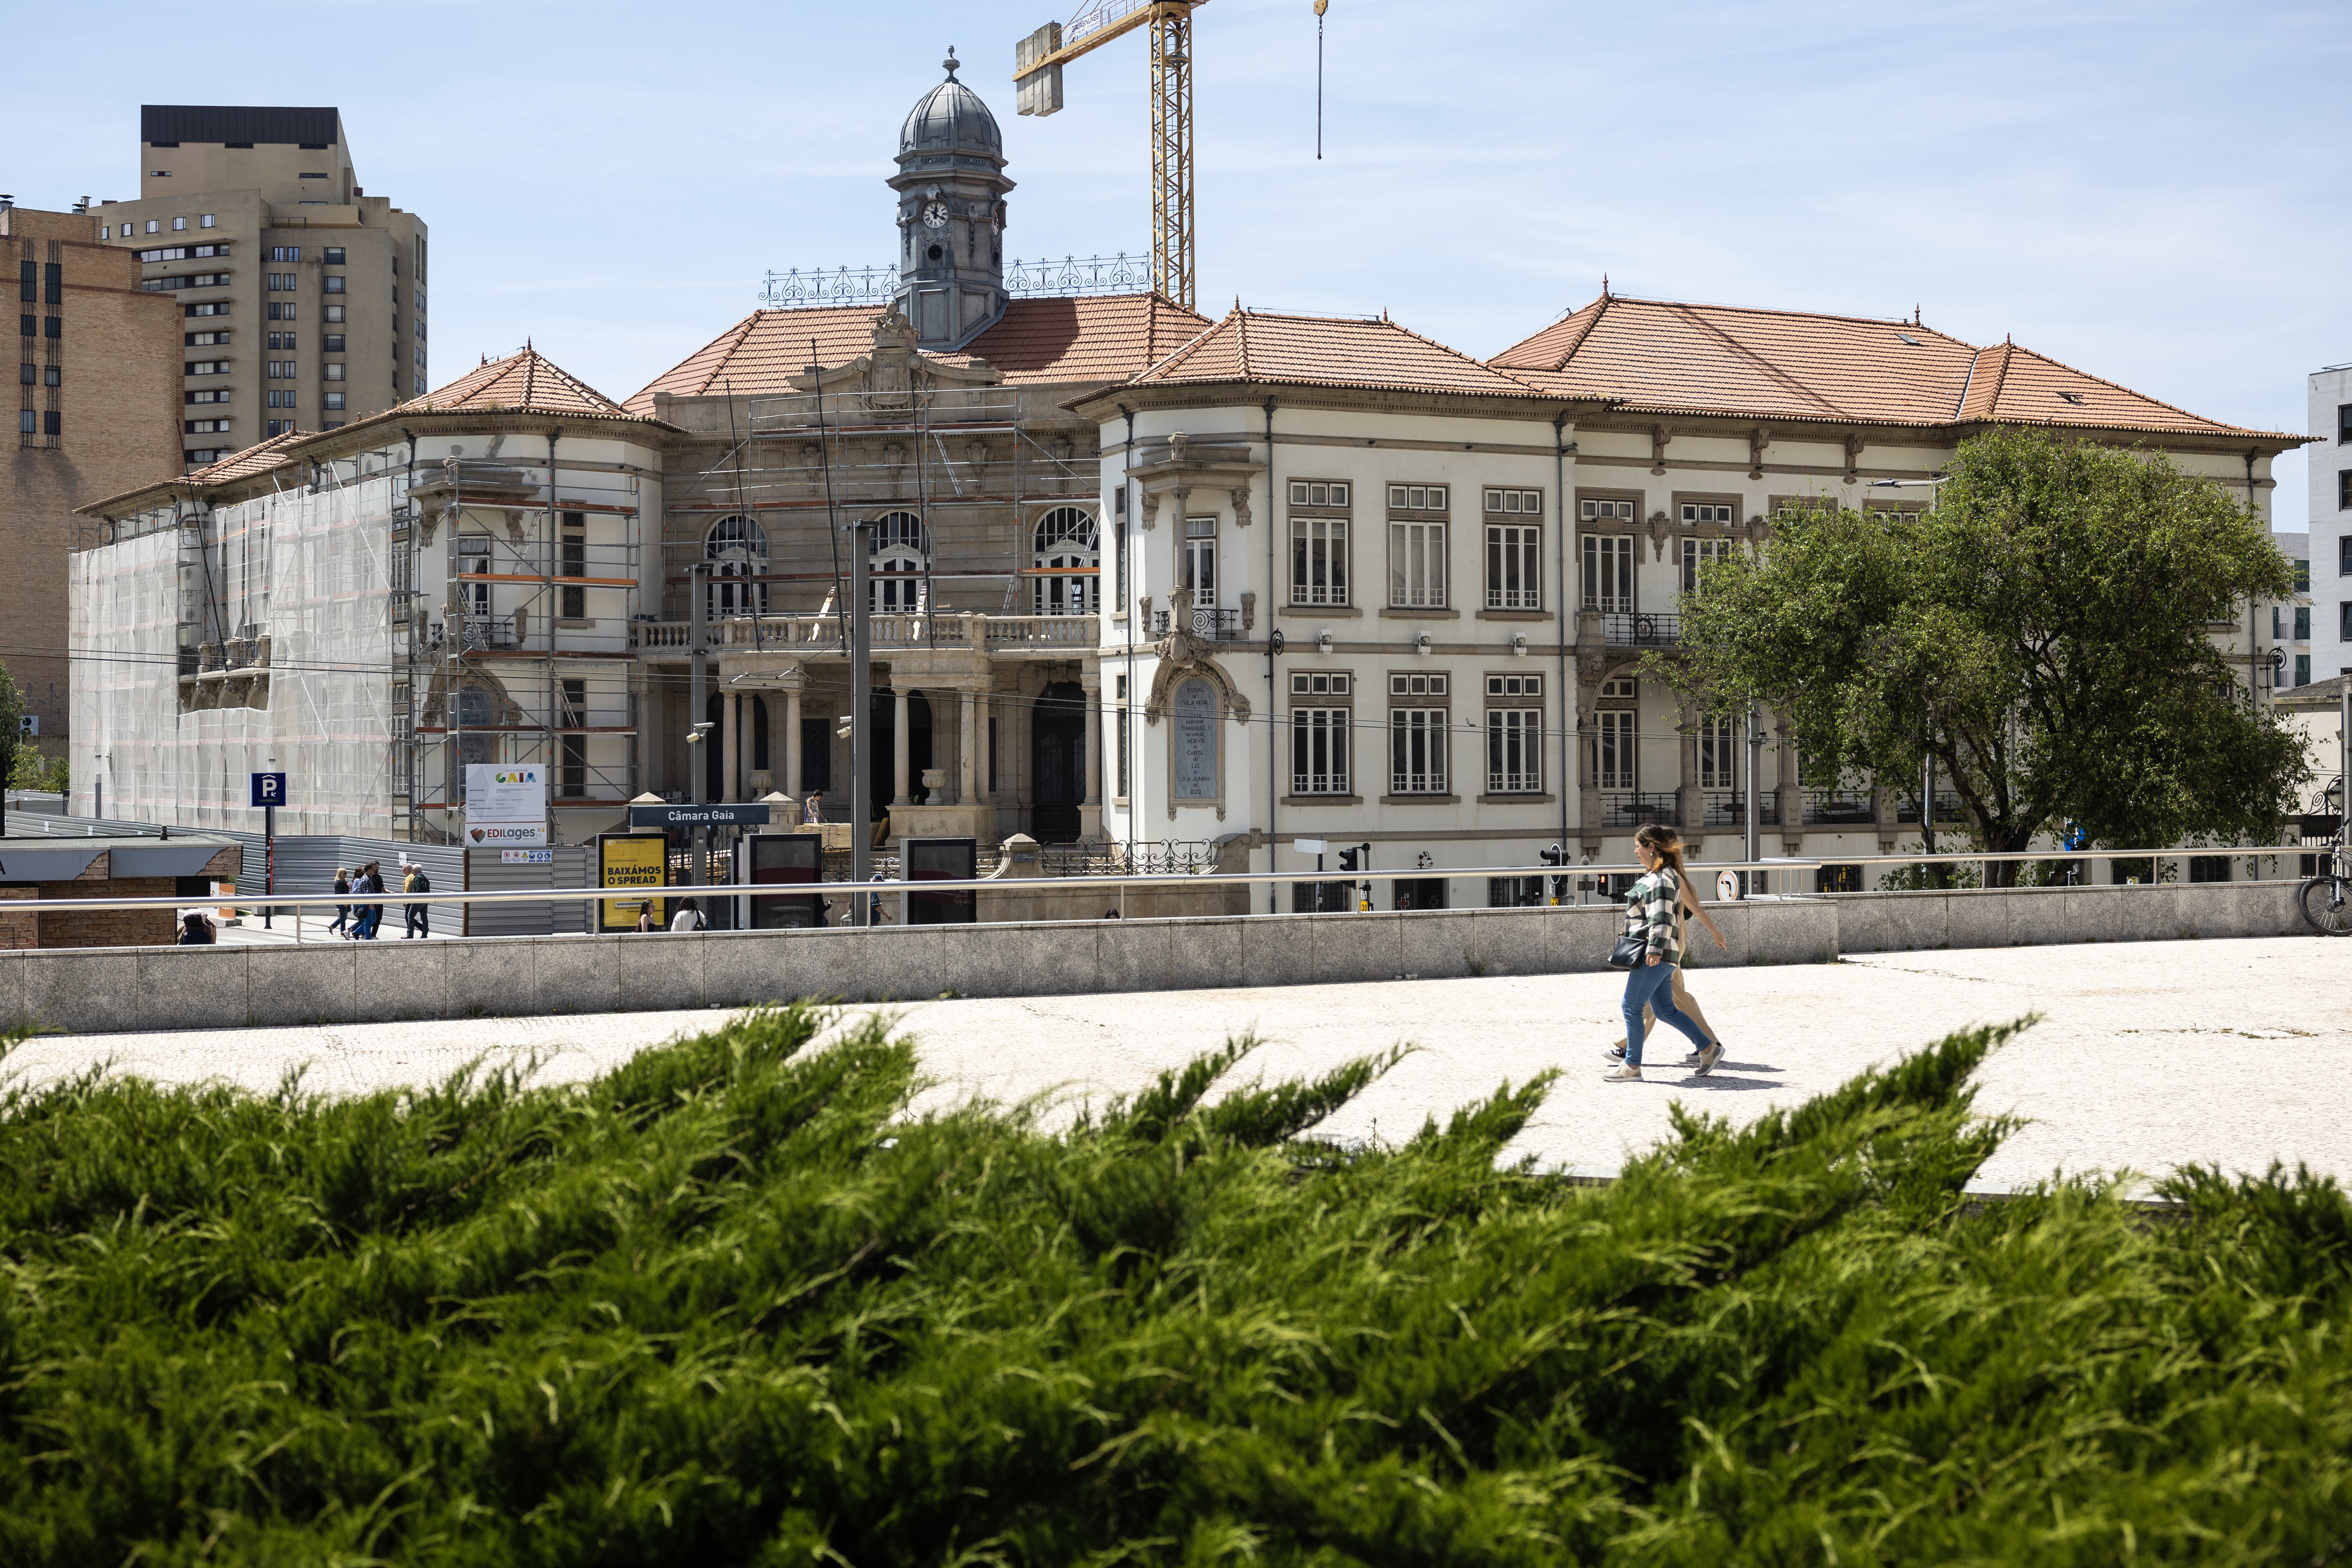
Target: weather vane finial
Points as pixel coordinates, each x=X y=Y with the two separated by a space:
x=950 y=62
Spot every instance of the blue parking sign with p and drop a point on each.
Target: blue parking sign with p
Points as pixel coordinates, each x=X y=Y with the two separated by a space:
x=269 y=789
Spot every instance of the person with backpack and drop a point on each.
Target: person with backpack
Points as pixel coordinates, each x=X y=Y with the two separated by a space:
x=1651 y=943
x=415 y=881
x=371 y=916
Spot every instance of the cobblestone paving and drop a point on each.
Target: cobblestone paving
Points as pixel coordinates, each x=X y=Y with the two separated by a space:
x=2149 y=1055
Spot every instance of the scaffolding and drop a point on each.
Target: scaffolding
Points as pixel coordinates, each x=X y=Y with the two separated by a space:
x=365 y=627
x=809 y=462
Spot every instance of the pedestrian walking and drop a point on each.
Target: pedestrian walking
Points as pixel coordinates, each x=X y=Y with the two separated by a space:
x=1686 y=905
x=370 y=914
x=414 y=880
x=342 y=923
x=688 y=916
x=1651 y=928
x=196 y=930
x=813 y=808
x=645 y=921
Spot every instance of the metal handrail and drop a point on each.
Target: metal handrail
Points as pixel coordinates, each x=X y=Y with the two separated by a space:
x=1191 y=879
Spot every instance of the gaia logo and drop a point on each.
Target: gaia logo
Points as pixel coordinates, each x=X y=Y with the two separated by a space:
x=523 y=778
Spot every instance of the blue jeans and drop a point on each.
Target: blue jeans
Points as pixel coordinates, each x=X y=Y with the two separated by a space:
x=1652 y=986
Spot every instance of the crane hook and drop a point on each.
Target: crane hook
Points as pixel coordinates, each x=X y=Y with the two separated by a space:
x=1320 y=6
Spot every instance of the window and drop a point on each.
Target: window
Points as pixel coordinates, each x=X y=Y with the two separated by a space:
x=2344 y=622
x=1514 y=750
x=153 y=226
x=1320 y=684
x=2302 y=623
x=53 y=327
x=2303 y=577
x=310 y=176
x=277 y=426
x=334 y=400
x=205 y=221
x=280 y=370
x=1524 y=687
x=1416 y=736
x=1613 y=738
x=1417 y=498
x=1620 y=689
x=51 y=421
x=1317 y=493
x=1065 y=542
x=28 y=284
x=574 y=782
x=1718 y=754
x=2303 y=669
x=574 y=564
x=281 y=399
x=207 y=394
x=2208 y=868
x=1522 y=503
x=333 y=256
x=1609 y=572
x=2278 y=625
x=126 y=231
x=2343 y=556
x=26 y=325
x=178 y=224
x=280 y=340
x=334 y=312
x=899 y=563
x=1201 y=560
x=206 y=427
x=1318 y=559
x=1697 y=553
x=332 y=285
x=50 y=375
x=24 y=423
x=2344 y=424
x=281 y=280
x=204 y=339
x=1416 y=563
x=333 y=343
x=334 y=372
x=1514 y=578
x=1606 y=511
x=281 y=312
x=1697 y=514
x=2343 y=489
x=53 y=283
x=26 y=375
x=1319 y=750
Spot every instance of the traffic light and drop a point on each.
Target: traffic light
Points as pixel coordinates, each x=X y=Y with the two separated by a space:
x=1556 y=886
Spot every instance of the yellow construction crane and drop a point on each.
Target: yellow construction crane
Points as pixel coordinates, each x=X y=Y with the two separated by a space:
x=1037 y=66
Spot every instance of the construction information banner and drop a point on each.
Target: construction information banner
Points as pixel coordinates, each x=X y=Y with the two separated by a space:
x=632 y=860
x=506 y=806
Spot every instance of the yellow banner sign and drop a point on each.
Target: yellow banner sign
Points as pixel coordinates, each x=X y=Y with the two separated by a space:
x=632 y=860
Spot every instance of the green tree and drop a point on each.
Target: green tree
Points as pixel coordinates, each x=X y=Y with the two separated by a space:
x=2041 y=631
x=12 y=710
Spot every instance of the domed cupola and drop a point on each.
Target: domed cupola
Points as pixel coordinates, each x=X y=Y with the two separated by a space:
x=951 y=183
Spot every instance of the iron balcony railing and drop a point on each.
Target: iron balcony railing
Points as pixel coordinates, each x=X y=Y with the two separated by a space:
x=1948 y=807
x=1631 y=807
x=1208 y=621
x=1829 y=807
x=1728 y=807
x=1641 y=629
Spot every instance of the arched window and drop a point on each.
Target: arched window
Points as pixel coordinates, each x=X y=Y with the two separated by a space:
x=1066 y=543
x=899 y=562
x=737 y=549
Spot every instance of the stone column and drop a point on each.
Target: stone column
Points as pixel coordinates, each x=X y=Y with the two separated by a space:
x=900 y=746
x=968 y=760
x=1690 y=802
x=792 y=784
x=1792 y=795
x=1092 y=799
x=730 y=711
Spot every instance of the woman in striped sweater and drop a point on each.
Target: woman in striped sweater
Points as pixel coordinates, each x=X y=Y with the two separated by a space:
x=1650 y=914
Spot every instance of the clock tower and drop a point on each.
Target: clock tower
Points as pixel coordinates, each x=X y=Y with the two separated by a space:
x=951 y=183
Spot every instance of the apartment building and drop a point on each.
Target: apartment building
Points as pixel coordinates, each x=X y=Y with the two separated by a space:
x=301 y=298
x=2290 y=618
x=98 y=392
x=2329 y=542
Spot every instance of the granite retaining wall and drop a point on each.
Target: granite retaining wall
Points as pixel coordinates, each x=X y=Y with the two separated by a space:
x=137 y=988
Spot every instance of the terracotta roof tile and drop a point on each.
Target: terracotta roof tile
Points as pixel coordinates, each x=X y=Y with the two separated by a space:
x=1328 y=350
x=1655 y=356
x=523 y=383
x=1094 y=338
x=258 y=458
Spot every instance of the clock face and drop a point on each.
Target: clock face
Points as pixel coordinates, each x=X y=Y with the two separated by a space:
x=935 y=214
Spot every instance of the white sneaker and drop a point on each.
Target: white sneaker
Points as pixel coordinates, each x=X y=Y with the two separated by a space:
x=1626 y=1073
x=1707 y=1059
x=1616 y=1052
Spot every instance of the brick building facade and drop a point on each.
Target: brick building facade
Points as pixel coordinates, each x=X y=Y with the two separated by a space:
x=98 y=386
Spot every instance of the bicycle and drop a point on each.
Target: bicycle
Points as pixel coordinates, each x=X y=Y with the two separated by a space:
x=2327 y=899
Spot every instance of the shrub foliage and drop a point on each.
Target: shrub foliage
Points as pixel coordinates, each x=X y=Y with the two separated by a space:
x=732 y=1304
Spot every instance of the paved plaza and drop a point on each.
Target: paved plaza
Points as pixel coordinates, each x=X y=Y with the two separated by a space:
x=2149 y=1055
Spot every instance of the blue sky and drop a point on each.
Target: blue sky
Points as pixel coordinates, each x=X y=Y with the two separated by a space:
x=2152 y=192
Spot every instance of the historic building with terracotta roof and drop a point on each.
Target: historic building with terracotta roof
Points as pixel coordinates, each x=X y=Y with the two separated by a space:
x=1137 y=577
